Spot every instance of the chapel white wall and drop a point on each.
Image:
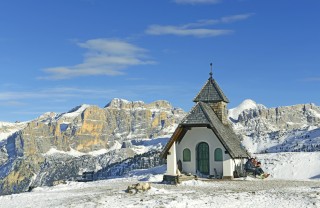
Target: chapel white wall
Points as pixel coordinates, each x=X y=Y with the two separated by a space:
x=172 y=161
x=191 y=139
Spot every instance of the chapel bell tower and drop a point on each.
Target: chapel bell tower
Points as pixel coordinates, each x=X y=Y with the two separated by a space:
x=212 y=94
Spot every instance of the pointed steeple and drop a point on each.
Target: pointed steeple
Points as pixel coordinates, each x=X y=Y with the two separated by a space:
x=211 y=92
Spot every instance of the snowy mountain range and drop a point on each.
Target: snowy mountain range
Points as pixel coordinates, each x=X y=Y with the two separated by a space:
x=281 y=129
x=126 y=135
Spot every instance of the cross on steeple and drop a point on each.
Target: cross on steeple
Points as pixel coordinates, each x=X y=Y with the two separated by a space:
x=210 y=71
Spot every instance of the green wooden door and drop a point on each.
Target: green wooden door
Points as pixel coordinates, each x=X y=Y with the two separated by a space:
x=203 y=158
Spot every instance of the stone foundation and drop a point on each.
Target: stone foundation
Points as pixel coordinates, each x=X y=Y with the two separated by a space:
x=169 y=179
x=227 y=177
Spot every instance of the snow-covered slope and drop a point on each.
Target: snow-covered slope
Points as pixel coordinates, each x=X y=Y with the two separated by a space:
x=76 y=111
x=291 y=165
x=68 y=116
x=288 y=128
x=7 y=129
x=248 y=104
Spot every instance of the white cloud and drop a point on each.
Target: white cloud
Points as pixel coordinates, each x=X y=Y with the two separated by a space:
x=104 y=57
x=53 y=93
x=180 y=31
x=197 y=1
x=235 y=18
x=197 y=29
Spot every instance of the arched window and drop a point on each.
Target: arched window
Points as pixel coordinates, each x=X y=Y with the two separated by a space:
x=218 y=155
x=186 y=155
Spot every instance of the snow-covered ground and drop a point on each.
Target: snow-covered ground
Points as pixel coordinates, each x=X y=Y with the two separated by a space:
x=292 y=165
x=111 y=194
x=283 y=189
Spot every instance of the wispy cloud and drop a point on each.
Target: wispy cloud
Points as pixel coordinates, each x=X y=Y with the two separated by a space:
x=58 y=94
x=63 y=94
x=235 y=18
x=222 y=20
x=104 y=57
x=180 y=31
x=197 y=1
x=312 y=79
x=52 y=93
x=12 y=103
x=135 y=79
x=197 y=29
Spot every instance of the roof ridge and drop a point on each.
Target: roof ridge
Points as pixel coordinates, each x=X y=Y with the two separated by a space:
x=195 y=116
x=189 y=113
x=219 y=91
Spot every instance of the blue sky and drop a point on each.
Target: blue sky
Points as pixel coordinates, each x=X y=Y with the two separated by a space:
x=57 y=54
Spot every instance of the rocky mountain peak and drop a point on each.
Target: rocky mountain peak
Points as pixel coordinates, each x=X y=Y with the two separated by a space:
x=124 y=104
x=160 y=104
x=247 y=104
x=132 y=105
x=47 y=116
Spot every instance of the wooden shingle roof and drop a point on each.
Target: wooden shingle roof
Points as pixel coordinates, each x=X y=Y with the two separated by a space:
x=203 y=115
x=225 y=133
x=196 y=116
x=211 y=92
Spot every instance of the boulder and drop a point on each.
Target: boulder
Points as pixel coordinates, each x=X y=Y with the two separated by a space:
x=138 y=188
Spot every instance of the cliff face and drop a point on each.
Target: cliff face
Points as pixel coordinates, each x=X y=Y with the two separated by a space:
x=96 y=135
x=89 y=128
x=265 y=129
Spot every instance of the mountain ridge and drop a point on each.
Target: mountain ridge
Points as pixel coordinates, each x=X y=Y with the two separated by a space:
x=60 y=146
x=263 y=128
x=253 y=122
